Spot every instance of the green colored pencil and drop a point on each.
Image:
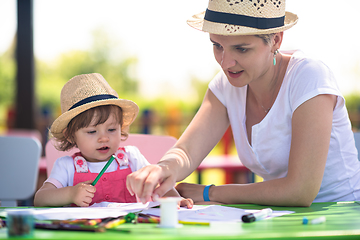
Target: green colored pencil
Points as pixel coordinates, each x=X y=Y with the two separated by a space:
x=103 y=170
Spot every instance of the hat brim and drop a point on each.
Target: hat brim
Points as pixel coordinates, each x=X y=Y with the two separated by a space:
x=129 y=109
x=197 y=21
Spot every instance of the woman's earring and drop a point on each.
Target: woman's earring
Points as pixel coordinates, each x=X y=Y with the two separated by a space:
x=274 y=60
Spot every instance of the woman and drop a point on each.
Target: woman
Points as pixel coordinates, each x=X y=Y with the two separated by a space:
x=288 y=117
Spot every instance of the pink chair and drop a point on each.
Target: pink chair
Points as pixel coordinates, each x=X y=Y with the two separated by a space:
x=153 y=147
x=51 y=154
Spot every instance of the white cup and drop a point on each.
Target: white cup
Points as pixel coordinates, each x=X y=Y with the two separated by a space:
x=169 y=212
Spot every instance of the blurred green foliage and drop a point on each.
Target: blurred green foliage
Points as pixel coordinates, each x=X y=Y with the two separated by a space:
x=51 y=76
x=353 y=102
x=119 y=71
x=7 y=82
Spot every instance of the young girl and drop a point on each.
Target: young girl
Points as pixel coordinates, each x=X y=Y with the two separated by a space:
x=95 y=121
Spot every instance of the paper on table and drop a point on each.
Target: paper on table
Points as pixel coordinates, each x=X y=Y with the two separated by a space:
x=68 y=213
x=211 y=213
x=199 y=213
x=96 y=211
x=127 y=206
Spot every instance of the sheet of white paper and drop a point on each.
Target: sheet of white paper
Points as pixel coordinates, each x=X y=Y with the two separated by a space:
x=127 y=206
x=201 y=213
x=66 y=213
x=96 y=211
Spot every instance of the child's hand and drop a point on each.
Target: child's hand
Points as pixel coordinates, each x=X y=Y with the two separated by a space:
x=83 y=193
x=186 y=202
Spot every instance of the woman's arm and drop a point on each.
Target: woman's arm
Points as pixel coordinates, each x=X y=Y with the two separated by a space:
x=202 y=134
x=311 y=130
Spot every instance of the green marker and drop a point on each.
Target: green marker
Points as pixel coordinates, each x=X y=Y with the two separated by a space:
x=103 y=170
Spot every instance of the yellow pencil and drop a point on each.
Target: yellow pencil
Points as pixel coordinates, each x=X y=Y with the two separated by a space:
x=194 y=223
x=115 y=223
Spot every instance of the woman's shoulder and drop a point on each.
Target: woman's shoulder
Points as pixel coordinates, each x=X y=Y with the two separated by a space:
x=304 y=71
x=300 y=61
x=307 y=77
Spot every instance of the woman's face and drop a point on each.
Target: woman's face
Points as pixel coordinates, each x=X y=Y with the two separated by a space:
x=244 y=59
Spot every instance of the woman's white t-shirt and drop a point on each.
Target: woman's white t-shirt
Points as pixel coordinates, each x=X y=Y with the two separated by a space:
x=62 y=174
x=268 y=155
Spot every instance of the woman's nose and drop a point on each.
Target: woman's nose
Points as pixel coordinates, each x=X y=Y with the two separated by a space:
x=227 y=60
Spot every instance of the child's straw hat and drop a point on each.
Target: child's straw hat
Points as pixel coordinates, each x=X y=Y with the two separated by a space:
x=244 y=17
x=86 y=91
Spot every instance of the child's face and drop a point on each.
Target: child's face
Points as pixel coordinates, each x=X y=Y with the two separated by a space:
x=98 y=143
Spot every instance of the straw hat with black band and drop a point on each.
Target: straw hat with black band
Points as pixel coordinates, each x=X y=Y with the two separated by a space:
x=86 y=91
x=244 y=17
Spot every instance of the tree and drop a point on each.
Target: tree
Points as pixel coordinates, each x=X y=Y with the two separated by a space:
x=7 y=77
x=53 y=75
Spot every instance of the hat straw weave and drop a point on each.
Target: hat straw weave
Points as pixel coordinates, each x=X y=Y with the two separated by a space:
x=87 y=91
x=244 y=17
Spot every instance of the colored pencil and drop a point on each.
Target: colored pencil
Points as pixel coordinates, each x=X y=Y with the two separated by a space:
x=114 y=223
x=194 y=223
x=68 y=227
x=102 y=171
x=148 y=220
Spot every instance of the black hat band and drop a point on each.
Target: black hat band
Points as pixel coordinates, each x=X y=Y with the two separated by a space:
x=242 y=20
x=93 y=99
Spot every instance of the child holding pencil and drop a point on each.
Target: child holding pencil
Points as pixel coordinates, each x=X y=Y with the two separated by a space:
x=95 y=120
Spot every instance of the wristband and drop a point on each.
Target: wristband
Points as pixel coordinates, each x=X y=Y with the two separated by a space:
x=206 y=193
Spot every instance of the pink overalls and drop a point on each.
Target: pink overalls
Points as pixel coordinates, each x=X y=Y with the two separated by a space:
x=111 y=187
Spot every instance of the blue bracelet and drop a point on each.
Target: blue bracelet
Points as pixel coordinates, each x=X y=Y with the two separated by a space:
x=206 y=193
